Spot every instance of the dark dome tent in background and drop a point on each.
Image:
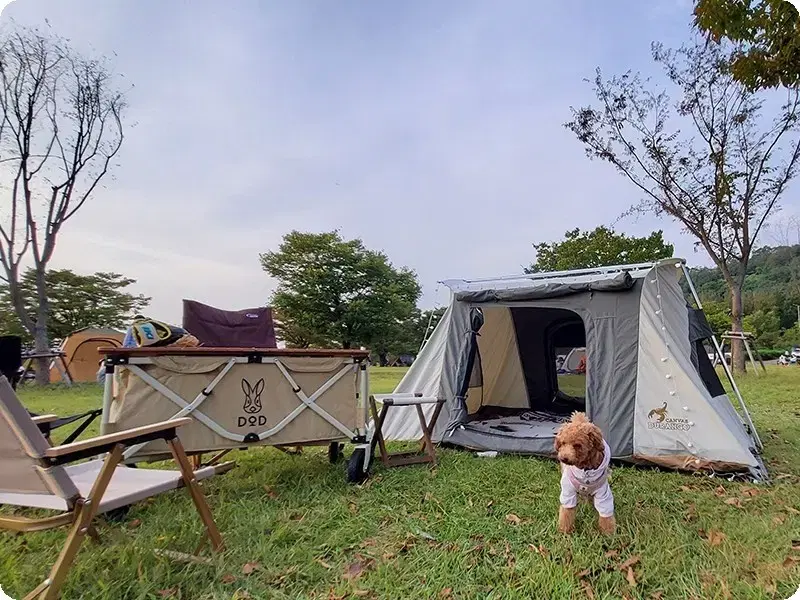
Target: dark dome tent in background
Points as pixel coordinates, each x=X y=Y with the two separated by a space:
x=215 y=327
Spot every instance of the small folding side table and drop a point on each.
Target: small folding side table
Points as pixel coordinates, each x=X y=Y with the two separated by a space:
x=426 y=454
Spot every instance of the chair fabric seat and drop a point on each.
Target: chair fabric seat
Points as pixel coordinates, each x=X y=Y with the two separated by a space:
x=128 y=485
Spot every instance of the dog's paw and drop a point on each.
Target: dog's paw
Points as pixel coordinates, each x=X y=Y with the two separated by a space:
x=608 y=525
x=566 y=520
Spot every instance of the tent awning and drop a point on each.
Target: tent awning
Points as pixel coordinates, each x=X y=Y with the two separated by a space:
x=619 y=282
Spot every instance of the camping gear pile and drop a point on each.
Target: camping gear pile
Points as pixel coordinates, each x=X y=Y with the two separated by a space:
x=224 y=370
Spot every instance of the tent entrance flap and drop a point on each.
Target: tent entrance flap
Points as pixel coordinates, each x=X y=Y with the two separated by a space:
x=520 y=350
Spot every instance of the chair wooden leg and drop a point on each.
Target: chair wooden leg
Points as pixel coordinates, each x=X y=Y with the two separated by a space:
x=85 y=511
x=426 y=436
x=378 y=437
x=196 y=493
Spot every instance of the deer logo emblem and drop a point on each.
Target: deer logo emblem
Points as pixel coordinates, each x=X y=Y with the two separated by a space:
x=658 y=414
x=252 y=396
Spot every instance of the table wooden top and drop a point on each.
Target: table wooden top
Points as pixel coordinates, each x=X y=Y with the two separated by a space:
x=209 y=351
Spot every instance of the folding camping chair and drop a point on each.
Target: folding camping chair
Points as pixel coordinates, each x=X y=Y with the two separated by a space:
x=35 y=476
x=10 y=367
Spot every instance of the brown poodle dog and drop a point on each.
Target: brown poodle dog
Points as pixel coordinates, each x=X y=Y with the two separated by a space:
x=584 y=457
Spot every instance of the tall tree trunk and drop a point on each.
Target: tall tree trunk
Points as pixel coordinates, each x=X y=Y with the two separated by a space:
x=41 y=338
x=737 y=347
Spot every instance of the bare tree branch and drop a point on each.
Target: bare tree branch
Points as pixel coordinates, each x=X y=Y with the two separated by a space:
x=723 y=177
x=60 y=127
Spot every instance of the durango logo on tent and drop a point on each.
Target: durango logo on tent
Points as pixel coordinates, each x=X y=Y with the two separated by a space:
x=659 y=418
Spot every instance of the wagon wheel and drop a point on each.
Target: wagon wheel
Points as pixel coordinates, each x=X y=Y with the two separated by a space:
x=335 y=452
x=356 y=472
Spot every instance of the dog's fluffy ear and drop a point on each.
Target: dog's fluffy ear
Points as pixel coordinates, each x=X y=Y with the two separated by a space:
x=596 y=442
x=579 y=417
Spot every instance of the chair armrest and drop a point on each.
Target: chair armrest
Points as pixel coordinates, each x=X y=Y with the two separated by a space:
x=84 y=448
x=42 y=419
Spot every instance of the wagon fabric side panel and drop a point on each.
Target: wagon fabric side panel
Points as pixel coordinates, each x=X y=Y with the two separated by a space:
x=251 y=398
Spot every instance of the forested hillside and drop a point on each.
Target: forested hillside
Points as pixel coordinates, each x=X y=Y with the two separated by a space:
x=771 y=296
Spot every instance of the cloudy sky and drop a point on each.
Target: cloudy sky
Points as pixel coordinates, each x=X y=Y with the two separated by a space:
x=431 y=130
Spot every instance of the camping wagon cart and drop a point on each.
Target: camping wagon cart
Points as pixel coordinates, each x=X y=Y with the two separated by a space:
x=648 y=381
x=242 y=397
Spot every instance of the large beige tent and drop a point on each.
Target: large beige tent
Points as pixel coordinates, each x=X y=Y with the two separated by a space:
x=81 y=355
x=506 y=357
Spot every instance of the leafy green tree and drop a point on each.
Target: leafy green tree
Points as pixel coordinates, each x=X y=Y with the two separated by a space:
x=76 y=301
x=336 y=292
x=718 y=315
x=709 y=160
x=768 y=32
x=598 y=248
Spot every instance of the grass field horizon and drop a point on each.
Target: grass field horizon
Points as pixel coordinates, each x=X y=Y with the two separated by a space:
x=469 y=528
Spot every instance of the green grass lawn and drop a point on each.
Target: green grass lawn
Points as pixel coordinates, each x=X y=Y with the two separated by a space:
x=470 y=528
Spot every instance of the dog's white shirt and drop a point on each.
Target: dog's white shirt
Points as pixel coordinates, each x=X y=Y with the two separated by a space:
x=591 y=483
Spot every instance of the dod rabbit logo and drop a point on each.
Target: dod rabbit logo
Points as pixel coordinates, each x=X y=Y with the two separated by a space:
x=252 y=404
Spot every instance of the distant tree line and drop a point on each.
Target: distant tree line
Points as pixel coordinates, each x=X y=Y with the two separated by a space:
x=75 y=301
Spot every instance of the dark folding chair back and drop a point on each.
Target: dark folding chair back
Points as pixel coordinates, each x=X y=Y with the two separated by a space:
x=214 y=327
x=11 y=358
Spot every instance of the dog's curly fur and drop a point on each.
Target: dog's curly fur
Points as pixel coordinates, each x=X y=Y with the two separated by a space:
x=579 y=443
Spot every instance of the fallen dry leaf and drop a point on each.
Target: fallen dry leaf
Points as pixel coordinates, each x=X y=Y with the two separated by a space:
x=584 y=573
x=540 y=549
x=356 y=569
x=779 y=519
x=630 y=577
x=719 y=491
x=446 y=593
x=248 y=568
x=388 y=556
x=270 y=492
x=751 y=492
x=691 y=513
x=791 y=561
x=361 y=593
x=134 y=524
x=734 y=502
x=323 y=563
x=793 y=511
x=657 y=596
x=241 y=595
x=784 y=476
x=514 y=519
x=685 y=488
x=228 y=578
x=715 y=538
x=630 y=562
x=587 y=589
x=353 y=507
x=612 y=554
x=168 y=593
